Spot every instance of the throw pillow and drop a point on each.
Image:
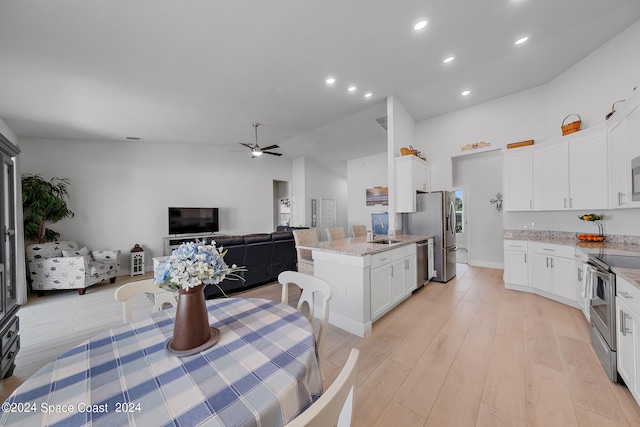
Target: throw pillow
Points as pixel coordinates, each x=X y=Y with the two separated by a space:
x=83 y=252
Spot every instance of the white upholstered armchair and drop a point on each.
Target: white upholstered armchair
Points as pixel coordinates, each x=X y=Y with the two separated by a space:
x=62 y=265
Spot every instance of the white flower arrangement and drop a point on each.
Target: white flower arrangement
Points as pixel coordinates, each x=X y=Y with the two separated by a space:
x=193 y=264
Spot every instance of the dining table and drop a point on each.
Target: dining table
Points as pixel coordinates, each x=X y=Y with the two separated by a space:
x=263 y=371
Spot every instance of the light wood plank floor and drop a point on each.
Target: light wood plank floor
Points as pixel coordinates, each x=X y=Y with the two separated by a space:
x=465 y=353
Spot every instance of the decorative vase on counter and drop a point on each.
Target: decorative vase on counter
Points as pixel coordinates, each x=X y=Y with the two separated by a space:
x=191 y=331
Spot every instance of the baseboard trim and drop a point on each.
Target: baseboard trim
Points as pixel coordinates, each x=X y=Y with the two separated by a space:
x=487 y=264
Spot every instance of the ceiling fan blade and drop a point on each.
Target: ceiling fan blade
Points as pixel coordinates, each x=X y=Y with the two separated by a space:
x=246 y=145
x=273 y=154
x=271 y=147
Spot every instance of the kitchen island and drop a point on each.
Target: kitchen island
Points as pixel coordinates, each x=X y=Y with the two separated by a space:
x=367 y=279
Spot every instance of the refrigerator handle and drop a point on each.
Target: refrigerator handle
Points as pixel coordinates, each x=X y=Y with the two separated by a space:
x=450 y=219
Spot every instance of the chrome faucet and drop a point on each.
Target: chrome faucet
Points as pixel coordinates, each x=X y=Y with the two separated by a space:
x=373 y=233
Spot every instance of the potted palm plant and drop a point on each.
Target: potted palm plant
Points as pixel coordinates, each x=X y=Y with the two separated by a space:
x=43 y=202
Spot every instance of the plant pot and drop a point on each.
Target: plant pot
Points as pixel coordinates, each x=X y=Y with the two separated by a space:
x=191 y=331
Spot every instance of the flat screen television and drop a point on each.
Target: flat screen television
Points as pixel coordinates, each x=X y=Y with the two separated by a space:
x=193 y=220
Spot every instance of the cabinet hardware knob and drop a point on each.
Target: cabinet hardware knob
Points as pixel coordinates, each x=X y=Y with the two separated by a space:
x=10 y=354
x=10 y=334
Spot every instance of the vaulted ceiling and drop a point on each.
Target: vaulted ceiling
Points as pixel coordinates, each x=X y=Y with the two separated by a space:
x=202 y=71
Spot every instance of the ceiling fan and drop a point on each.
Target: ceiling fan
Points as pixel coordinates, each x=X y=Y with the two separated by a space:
x=256 y=150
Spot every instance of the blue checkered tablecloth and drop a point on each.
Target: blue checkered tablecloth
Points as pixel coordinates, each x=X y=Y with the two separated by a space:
x=263 y=372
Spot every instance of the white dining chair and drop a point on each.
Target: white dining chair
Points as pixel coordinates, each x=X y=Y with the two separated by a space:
x=335 y=406
x=310 y=285
x=127 y=291
x=335 y=233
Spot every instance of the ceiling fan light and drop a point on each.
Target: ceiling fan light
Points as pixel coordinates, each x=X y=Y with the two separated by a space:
x=256 y=152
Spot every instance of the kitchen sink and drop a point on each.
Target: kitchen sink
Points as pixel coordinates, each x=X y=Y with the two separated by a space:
x=384 y=241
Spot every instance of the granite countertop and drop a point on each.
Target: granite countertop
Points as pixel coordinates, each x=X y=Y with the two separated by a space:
x=613 y=245
x=359 y=246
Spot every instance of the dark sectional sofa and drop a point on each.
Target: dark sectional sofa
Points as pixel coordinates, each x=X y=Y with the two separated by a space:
x=264 y=255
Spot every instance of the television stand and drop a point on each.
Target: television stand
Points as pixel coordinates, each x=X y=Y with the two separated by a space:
x=169 y=243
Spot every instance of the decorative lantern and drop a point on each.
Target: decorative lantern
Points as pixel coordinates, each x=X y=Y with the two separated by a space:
x=137 y=260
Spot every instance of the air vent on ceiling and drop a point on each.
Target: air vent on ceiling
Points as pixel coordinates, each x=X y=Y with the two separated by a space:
x=382 y=121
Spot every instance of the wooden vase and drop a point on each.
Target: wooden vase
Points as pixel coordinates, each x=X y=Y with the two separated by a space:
x=191 y=331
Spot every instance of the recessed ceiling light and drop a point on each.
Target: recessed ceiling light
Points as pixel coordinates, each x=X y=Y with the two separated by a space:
x=352 y=88
x=448 y=59
x=522 y=40
x=331 y=81
x=420 y=25
x=465 y=93
x=368 y=95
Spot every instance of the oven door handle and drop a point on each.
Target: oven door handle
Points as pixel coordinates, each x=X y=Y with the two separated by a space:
x=592 y=275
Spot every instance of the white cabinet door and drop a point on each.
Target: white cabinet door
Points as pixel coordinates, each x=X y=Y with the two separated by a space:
x=380 y=291
x=563 y=277
x=618 y=194
x=583 y=302
x=588 y=170
x=632 y=132
x=397 y=275
x=422 y=175
x=627 y=329
x=410 y=274
x=412 y=174
x=540 y=272
x=518 y=180
x=551 y=176
x=516 y=270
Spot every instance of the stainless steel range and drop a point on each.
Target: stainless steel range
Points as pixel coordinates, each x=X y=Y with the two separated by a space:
x=601 y=290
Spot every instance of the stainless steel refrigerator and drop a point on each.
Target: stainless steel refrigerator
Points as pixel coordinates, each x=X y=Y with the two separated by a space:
x=435 y=216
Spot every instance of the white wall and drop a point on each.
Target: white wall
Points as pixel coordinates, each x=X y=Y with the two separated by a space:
x=120 y=191
x=401 y=132
x=321 y=182
x=365 y=172
x=481 y=176
x=588 y=88
x=7 y=132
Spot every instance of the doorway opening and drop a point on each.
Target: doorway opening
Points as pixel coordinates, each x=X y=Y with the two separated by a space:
x=461 y=224
x=282 y=206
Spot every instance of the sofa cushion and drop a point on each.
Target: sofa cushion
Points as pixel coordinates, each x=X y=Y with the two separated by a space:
x=49 y=249
x=228 y=240
x=283 y=256
x=257 y=238
x=282 y=235
x=257 y=257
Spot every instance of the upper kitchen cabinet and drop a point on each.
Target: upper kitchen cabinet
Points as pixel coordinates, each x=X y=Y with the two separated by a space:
x=518 y=179
x=551 y=176
x=624 y=146
x=571 y=172
x=588 y=169
x=413 y=175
